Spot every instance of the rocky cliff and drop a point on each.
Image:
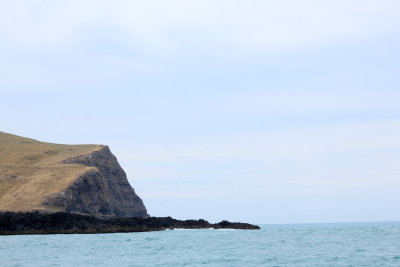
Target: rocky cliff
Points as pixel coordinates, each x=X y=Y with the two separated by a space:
x=103 y=191
x=83 y=179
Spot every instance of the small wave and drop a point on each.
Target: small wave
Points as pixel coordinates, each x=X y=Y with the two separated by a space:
x=151 y=238
x=184 y=229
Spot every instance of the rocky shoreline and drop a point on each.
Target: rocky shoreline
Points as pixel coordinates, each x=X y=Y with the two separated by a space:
x=26 y=223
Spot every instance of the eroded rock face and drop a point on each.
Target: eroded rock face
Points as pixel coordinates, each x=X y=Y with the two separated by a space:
x=104 y=191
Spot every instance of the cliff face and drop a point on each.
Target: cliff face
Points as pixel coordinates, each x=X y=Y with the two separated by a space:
x=104 y=192
x=84 y=179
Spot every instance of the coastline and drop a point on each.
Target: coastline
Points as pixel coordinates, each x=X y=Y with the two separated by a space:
x=30 y=223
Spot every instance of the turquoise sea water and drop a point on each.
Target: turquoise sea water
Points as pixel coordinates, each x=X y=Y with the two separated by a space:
x=346 y=244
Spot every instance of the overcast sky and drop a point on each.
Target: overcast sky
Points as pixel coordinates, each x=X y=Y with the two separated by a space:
x=258 y=111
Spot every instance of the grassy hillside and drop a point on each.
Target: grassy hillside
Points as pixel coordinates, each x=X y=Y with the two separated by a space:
x=31 y=170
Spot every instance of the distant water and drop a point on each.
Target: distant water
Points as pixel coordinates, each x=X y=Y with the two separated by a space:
x=347 y=244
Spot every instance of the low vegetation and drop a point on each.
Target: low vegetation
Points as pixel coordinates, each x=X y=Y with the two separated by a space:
x=31 y=170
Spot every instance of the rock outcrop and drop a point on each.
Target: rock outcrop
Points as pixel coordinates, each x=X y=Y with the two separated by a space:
x=61 y=189
x=83 y=179
x=12 y=223
x=104 y=191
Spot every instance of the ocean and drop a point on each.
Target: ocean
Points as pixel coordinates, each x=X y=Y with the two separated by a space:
x=336 y=244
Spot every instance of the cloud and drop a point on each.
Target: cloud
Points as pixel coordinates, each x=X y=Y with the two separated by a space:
x=167 y=25
x=283 y=102
x=338 y=152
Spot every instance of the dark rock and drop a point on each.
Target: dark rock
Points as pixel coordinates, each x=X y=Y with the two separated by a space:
x=16 y=223
x=104 y=193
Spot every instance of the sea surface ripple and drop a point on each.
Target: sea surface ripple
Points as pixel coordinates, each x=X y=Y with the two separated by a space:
x=339 y=244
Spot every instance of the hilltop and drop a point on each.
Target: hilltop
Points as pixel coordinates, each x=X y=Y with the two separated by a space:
x=46 y=177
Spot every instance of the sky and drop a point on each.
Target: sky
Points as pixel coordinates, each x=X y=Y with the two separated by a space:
x=256 y=111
